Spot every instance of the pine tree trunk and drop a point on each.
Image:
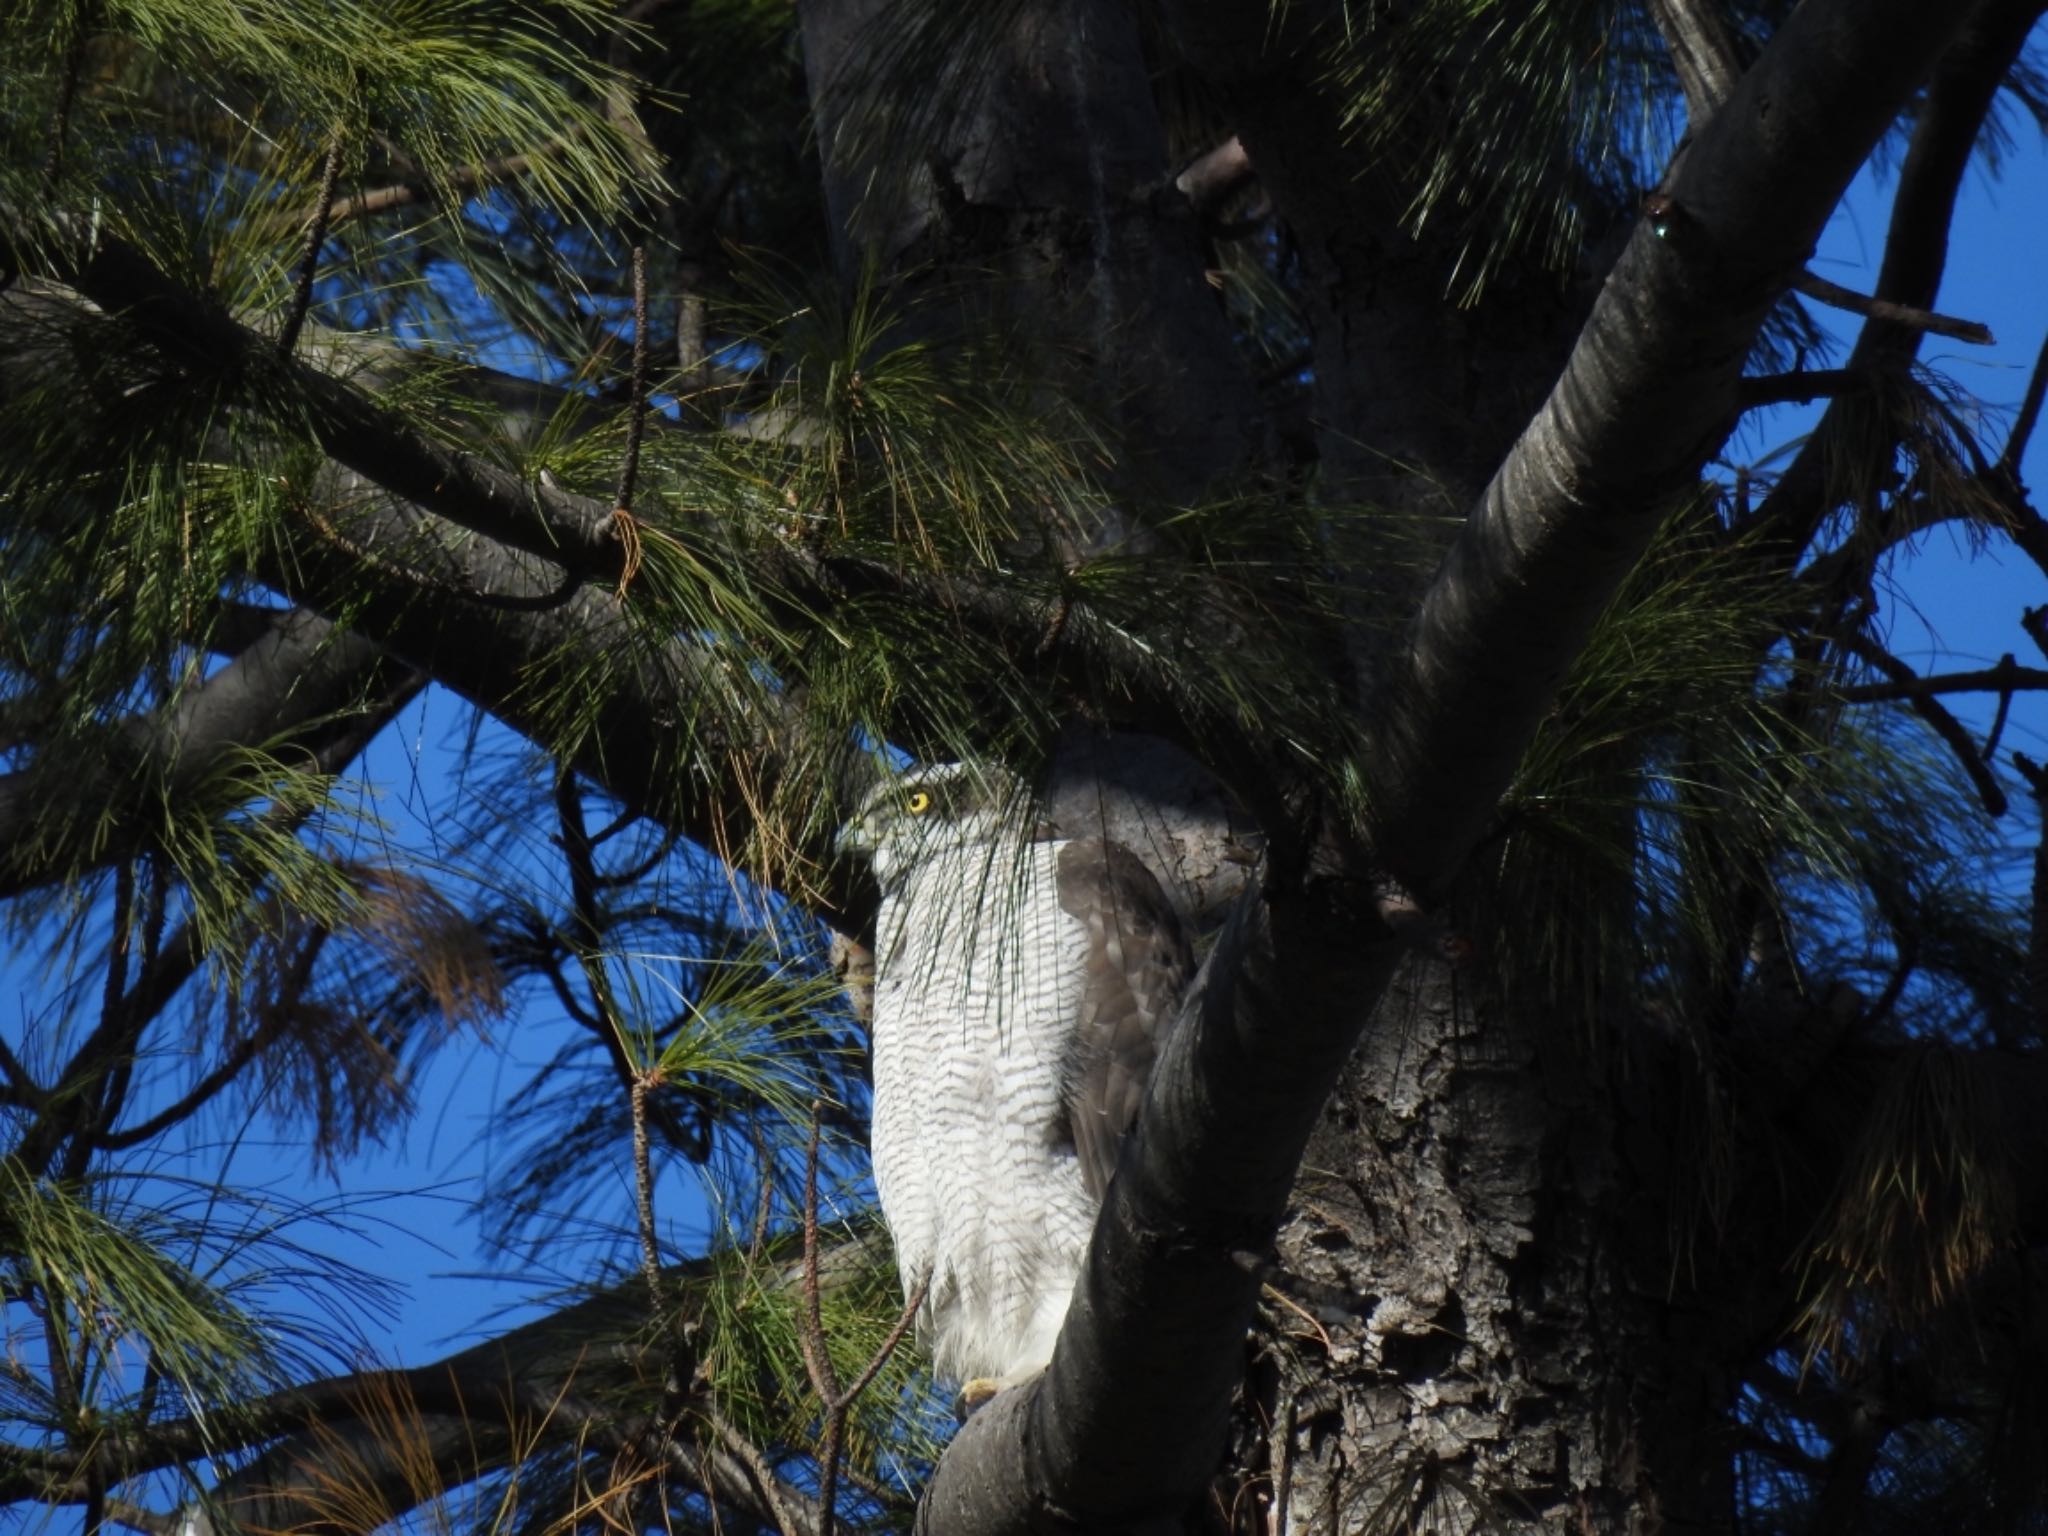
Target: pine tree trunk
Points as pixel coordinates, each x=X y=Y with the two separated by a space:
x=1485 y=1340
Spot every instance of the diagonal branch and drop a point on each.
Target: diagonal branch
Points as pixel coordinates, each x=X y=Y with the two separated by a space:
x=571 y=1375
x=1922 y=701
x=1120 y=1430
x=474 y=580
x=1906 y=316
x=2029 y=414
x=1649 y=394
x=348 y=424
x=642 y=691
x=300 y=684
x=1702 y=51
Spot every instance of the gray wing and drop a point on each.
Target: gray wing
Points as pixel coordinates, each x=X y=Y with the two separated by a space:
x=1137 y=967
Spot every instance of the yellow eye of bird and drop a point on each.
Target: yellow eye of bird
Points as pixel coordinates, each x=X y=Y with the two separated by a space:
x=917 y=802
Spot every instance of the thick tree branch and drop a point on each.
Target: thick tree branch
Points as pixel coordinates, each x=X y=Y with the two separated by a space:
x=1121 y=1429
x=576 y=1372
x=1649 y=394
x=644 y=690
x=298 y=685
x=1703 y=52
x=647 y=736
x=350 y=425
x=487 y=615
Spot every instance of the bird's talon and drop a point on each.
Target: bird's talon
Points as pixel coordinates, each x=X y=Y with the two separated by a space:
x=975 y=1394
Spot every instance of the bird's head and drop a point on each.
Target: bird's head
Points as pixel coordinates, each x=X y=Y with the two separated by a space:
x=910 y=816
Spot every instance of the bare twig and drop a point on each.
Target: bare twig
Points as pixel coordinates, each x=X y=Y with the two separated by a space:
x=123 y=920
x=837 y=1402
x=604 y=1018
x=48 y=1307
x=749 y=1456
x=2030 y=413
x=2007 y=678
x=1911 y=316
x=643 y=1185
x=1801 y=385
x=316 y=236
x=810 y=1320
x=890 y=1340
x=634 y=873
x=94 y=1085
x=764 y=1197
x=811 y=1333
x=2005 y=670
x=156 y=896
x=20 y=1084
x=228 y=1070
x=2024 y=525
x=1704 y=54
x=590 y=926
x=636 y=420
x=1945 y=725
x=2035 y=622
x=463 y=178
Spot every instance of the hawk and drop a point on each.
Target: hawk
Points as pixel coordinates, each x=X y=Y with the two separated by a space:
x=1023 y=984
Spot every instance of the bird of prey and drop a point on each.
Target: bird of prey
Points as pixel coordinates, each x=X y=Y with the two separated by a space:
x=1023 y=984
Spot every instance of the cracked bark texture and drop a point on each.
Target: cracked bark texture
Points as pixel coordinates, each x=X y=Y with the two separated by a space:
x=1495 y=1365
